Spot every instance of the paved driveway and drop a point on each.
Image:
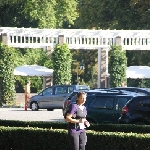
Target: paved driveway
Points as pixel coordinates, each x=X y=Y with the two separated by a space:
x=22 y=115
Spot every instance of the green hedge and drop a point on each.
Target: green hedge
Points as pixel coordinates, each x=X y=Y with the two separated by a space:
x=96 y=127
x=19 y=138
x=39 y=124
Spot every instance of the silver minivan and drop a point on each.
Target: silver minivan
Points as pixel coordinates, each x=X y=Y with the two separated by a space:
x=53 y=97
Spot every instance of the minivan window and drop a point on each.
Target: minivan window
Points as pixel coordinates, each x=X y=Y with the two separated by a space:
x=70 y=89
x=48 y=91
x=103 y=102
x=60 y=90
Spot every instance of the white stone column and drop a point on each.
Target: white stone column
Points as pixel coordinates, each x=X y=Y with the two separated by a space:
x=107 y=74
x=103 y=66
x=61 y=39
x=44 y=82
x=99 y=68
x=51 y=81
x=118 y=40
x=4 y=38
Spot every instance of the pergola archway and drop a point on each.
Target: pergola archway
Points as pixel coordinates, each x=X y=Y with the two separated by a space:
x=78 y=39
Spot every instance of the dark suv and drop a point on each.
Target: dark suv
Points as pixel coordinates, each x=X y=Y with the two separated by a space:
x=105 y=106
x=136 y=111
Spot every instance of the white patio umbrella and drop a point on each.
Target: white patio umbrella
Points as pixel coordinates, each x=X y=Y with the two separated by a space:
x=140 y=72
x=34 y=70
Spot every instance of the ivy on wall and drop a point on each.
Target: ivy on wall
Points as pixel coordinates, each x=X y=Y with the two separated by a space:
x=117 y=66
x=62 y=60
x=7 y=88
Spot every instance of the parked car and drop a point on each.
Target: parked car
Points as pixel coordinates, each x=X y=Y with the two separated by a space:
x=136 y=111
x=105 y=106
x=145 y=91
x=53 y=96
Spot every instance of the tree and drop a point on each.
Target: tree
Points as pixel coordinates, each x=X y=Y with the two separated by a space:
x=66 y=13
x=62 y=60
x=41 y=12
x=88 y=17
x=35 y=13
x=117 y=66
x=110 y=14
x=7 y=88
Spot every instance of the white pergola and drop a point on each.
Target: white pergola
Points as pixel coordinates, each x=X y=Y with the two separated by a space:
x=77 y=39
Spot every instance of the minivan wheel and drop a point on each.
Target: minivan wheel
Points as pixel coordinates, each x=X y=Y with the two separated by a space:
x=34 y=106
x=139 y=123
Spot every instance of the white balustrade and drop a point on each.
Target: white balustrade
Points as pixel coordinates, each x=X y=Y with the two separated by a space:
x=77 y=38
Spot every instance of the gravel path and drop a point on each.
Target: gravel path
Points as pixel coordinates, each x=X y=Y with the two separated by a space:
x=22 y=115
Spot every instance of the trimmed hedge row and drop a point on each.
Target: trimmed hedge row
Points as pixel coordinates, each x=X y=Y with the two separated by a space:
x=96 y=127
x=20 y=138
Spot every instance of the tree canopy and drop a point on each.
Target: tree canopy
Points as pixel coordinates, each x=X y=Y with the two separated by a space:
x=110 y=14
x=35 y=13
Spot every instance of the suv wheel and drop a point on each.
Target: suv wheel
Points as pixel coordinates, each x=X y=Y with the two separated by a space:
x=34 y=106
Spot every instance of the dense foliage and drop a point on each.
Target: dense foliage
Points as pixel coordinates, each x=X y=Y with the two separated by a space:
x=110 y=14
x=7 y=88
x=62 y=59
x=47 y=14
x=117 y=66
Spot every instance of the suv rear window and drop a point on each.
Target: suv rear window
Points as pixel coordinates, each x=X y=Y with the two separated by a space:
x=104 y=102
x=121 y=101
